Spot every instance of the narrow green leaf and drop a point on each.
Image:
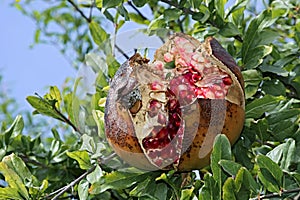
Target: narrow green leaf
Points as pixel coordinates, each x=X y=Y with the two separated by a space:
x=229 y=189
x=221 y=150
x=111 y=3
x=82 y=157
x=220 y=7
x=229 y=30
x=10 y=193
x=139 y=3
x=245 y=184
x=269 y=173
x=261 y=129
x=10 y=172
x=54 y=95
x=259 y=106
x=274 y=87
x=187 y=194
x=98 y=33
x=210 y=189
x=255 y=27
x=230 y=167
x=43 y=107
x=252 y=79
x=255 y=56
x=15 y=129
x=117 y=180
x=83 y=188
x=172 y=14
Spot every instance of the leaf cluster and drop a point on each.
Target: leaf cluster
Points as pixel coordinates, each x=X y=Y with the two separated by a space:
x=263 y=163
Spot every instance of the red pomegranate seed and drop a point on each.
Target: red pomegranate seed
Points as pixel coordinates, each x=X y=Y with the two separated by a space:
x=227 y=80
x=168 y=57
x=156 y=86
x=162 y=119
x=163 y=133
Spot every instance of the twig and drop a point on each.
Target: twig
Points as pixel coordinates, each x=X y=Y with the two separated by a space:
x=137 y=10
x=88 y=19
x=121 y=51
x=273 y=195
x=60 y=191
x=67 y=187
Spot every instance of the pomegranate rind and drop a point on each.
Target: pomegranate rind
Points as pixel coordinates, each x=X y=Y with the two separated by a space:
x=128 y=121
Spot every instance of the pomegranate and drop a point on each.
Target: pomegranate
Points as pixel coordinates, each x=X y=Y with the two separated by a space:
x=166 y=114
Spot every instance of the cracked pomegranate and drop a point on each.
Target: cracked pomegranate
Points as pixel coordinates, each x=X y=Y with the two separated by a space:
x=166 y=114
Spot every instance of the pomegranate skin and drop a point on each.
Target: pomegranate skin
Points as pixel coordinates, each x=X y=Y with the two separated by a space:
x=162 y=117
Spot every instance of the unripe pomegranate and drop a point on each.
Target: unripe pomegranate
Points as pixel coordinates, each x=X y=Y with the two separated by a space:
x=166 y=114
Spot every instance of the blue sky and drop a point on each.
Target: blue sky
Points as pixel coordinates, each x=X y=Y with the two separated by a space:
x=27 y=70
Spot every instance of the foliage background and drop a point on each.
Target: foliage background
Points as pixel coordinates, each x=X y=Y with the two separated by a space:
x=76 y=162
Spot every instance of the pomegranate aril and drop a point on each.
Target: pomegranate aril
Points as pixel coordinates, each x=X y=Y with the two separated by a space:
x=168 y=57
x=156 y=86
x=227 y=80
x=162 y=119
x=163 y=133
x=196 y=77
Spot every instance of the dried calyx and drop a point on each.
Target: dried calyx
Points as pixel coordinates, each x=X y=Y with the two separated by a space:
x=166 y=114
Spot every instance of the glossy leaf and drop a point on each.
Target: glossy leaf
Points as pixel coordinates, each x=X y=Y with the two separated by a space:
x=82 y=158
x=259 y=106
x=221 y=150
x=269 y=173
x=98 y=33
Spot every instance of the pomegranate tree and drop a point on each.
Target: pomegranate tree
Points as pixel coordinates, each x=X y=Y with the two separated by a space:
x=166 y=114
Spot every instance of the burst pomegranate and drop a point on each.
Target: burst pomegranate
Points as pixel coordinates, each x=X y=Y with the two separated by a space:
x=167 y=113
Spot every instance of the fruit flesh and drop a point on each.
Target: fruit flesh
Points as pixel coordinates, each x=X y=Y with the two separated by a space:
x=187 y=97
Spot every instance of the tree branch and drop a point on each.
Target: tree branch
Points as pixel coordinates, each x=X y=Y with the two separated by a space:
x=67 y=187
x=273 y=195
x=61 y=191
x=88 y=19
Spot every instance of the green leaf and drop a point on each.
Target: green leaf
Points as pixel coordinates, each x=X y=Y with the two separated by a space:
x=261 y=129
x=111 y=3
x=12 y=168
x=54 y=96
x=245 y=184
x=95 y=175
x=284 y=154
x=43 y=107
x=187 y=194
x=83 y=188
x=274 y=87
x=113 y=65
x=139 y=3
x=10 y=193
x=98 y=33
x=221 y=150
x=283 y=123
x=117 y=180
x=229 y=30
x=82 y=157
x=269 y=173
x=210 y=189
x=229 y=190
x=252 y=79
x=157 y=23
x=172 y=14
x=255 y=27
x=220 y=7
x=149 y=189
x=255 y=56
x=259 y=106
x=14 y=130
x=230 y=167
